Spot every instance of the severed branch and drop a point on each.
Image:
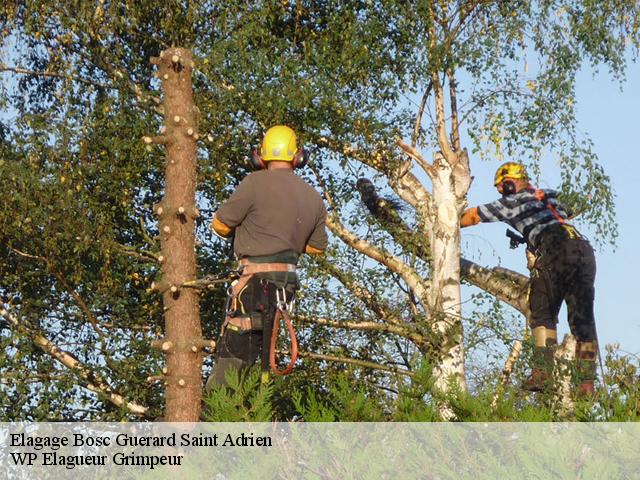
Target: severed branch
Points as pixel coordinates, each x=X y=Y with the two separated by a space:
x=388 y=215
x=393 y=263
x=401 y=180
x=411 y=278
x=89 y=379
x=353 y=361
x=372 y=302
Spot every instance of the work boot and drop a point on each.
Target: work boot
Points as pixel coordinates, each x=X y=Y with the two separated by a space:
x=542 y=361
x=586 y=390
x=541 y=377
x=538 y=381
x=586 y=353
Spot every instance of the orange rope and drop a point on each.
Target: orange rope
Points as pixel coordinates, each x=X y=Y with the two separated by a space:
x=274 y=337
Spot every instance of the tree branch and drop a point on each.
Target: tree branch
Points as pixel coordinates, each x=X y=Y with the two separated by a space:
x=420 y=160
x=372 y=302
x=89 y=379
x=404 y=332
x=418 y=122
x=506 y=285
x=411 y=278
x=455 y=125
x=353 y=361
x=22 y=71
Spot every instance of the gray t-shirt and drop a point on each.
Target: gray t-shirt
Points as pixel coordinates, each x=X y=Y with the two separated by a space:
x=274 y=211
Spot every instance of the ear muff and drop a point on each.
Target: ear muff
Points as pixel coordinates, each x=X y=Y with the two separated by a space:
x=256 y=160
x=508 y=187
x=301 y=158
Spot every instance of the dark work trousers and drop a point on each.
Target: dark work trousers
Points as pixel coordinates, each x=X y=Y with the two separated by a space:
x=239 y=349
x=565 y=269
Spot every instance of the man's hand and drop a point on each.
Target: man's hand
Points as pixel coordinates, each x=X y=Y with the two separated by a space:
x=469 y=217
x=313 y=251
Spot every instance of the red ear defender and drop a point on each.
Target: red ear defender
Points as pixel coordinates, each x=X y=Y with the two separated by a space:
x=508 y=187
x=256 y=160
x=301 y=158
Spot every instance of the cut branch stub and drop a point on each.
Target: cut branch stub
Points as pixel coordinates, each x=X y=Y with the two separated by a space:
x=163 y=345
x=159 y=209
x=164 y=211
x=157 y=140
x=182 y=346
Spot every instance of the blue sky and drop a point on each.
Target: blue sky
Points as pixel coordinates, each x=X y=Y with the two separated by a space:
x=609 y=117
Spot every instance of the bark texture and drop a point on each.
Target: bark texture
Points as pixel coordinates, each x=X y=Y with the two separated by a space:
x=177 y=213
x=445 y=296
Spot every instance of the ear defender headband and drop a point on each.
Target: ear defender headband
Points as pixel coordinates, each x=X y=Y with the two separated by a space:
x=300 y=159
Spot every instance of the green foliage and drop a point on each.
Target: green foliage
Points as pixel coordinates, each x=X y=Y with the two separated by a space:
x=341 y=397
x=245 y=399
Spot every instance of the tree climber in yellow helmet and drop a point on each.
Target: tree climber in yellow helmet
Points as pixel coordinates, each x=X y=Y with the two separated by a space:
x=274 y=216
x=564 y=269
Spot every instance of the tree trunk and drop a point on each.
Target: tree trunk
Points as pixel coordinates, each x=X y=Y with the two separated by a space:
x=177 y=213
x=445 y=298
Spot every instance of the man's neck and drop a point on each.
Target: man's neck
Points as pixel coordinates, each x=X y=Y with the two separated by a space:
x=279 y=165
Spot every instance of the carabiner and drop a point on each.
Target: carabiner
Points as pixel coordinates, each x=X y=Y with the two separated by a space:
x=281 y=299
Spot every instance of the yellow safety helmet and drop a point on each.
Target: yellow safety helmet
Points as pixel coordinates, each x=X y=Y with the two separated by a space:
x=511 y=170
x=279 y=143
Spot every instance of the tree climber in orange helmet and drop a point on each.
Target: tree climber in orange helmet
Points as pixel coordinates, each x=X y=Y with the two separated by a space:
x=564 y=269
x=276 y=216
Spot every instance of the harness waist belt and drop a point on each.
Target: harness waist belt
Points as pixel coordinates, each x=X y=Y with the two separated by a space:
x=249 y=268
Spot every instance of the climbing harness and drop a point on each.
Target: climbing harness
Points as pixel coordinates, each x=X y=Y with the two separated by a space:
x=571 y=231
x=242 y=323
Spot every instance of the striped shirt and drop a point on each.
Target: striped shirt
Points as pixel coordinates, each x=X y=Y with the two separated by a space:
x=525 y=212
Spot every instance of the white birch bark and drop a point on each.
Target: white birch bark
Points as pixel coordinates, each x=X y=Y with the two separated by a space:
x=445 y=296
